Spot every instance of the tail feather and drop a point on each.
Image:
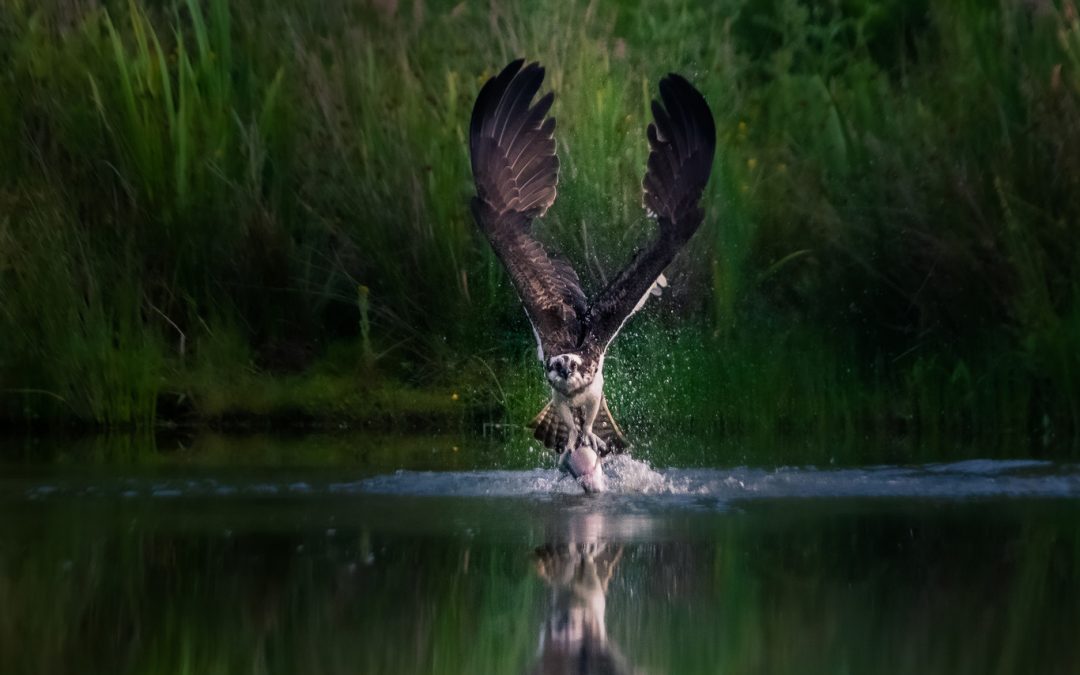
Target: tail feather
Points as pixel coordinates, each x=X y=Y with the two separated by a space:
x=549 y=429
x=608 y=430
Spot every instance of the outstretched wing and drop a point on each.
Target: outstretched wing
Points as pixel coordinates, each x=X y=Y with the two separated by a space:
x=516 y=172
x=682 y=141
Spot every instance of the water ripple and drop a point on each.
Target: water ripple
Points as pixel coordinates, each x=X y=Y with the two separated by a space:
x=971 y=479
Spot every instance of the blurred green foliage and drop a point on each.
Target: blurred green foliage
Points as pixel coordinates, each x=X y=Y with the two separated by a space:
x=193 y=191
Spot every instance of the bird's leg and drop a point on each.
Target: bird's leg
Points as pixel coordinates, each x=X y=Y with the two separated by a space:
x=591 y=439
x=566 y=416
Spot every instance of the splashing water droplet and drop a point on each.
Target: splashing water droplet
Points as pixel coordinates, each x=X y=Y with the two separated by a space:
x=628 y=475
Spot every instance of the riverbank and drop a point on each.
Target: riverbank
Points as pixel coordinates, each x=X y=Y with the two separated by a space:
x=792 y=400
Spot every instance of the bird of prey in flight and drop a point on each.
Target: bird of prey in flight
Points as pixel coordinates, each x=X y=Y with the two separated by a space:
x=516 y=169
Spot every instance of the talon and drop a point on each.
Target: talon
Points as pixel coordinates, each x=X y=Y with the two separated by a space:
x=593 y=441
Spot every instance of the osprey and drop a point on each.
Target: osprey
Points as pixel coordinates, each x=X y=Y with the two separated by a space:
x=512 y=144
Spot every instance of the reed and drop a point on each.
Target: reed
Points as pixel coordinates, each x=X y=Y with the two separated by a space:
x=888 y=244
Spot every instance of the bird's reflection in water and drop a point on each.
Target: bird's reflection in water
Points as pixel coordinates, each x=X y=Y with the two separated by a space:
x=577 y=568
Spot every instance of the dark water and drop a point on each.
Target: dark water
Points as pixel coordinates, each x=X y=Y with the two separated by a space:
x=969 y=567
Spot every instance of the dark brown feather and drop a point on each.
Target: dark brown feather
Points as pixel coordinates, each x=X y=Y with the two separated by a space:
x=682 y=142
x=549 y=429
x=608 y=430
x=516 y=170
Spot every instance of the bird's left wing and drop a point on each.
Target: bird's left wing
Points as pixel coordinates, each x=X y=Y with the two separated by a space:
x=682 y=142
x=516 y=172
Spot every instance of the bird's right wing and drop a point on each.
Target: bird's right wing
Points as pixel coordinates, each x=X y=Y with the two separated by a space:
x=682 y=142
x=516 y=173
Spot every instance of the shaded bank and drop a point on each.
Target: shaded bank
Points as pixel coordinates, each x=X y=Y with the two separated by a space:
x=245 y=209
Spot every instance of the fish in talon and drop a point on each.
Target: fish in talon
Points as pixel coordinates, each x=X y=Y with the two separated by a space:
x=585 y=466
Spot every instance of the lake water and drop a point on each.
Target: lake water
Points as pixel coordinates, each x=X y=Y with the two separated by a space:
x=179 y=566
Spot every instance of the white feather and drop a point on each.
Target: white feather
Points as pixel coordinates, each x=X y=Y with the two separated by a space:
x=655 y=290
x=539 y=345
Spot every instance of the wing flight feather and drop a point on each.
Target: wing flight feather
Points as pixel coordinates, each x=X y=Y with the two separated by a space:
x=682 y=142
x=516 y=170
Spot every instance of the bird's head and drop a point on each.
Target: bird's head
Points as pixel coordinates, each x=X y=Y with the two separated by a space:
x=568 y=373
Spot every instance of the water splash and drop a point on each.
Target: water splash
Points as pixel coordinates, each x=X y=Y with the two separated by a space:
x=628 y=479
x=627 y=475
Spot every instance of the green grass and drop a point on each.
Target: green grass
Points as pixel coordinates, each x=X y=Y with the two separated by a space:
x=260 y=208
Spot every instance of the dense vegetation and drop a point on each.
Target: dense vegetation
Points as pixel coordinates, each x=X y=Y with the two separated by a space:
x=212 y=207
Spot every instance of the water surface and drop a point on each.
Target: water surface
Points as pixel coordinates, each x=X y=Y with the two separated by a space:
x=967 y=567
